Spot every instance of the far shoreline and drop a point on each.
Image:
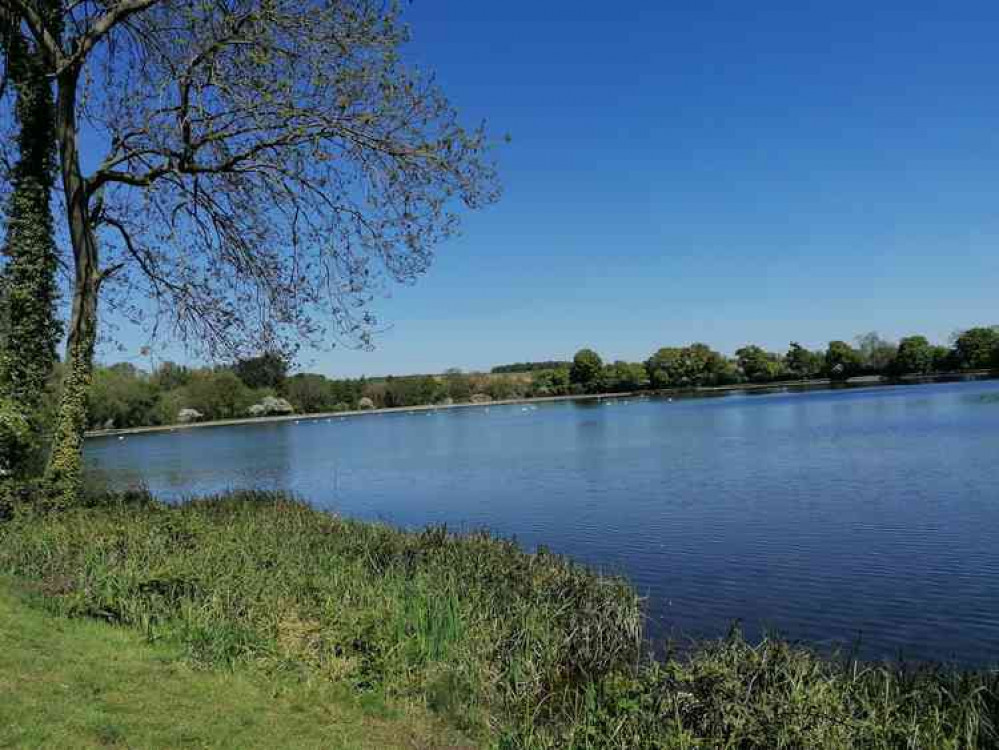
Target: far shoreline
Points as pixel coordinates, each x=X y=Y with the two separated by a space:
x=817 y=384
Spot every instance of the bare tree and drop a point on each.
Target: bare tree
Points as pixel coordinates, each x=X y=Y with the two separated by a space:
x=269 y=164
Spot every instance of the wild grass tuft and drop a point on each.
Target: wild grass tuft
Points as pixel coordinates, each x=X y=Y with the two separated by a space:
x=732 y=694
x=469 y=623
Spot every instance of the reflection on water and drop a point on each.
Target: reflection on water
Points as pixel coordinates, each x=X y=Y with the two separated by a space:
x=832 y=516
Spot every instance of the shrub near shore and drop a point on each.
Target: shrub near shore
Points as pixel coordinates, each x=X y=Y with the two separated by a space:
x=521 y=650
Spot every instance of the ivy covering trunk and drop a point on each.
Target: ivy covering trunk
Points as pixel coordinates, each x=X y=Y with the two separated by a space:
x=31 y=330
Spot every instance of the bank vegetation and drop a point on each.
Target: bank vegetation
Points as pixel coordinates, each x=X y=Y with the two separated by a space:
x=512 y=649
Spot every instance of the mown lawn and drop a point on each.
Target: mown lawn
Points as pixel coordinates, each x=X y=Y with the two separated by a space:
x=73 y=683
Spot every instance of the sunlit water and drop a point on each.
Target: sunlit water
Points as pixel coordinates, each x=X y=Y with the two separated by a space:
x=861 y=516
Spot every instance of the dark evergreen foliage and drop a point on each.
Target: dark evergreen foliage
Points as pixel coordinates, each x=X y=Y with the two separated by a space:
x=30 y=330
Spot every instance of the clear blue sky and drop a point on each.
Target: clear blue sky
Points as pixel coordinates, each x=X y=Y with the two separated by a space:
x=725 y=172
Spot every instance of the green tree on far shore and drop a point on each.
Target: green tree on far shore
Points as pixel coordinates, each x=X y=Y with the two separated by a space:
x=587 y=369
x=660 y=366
x=842 y=361
x=915 y=356
x=688 y=367
x=803 y=364
x=309 y=392
x=758 y=365
x=267 y=370
x=625 y=376
x=553 y=382
x=876 y=353
x=977 y=348
x=170 y=375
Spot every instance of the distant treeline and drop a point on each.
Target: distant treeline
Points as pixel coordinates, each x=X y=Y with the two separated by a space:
x=552 y=364
x=697 y=365
x=126 y=396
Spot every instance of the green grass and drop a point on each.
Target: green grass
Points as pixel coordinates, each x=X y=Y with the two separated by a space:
x=86 y=684
x=514 y=650
x=467 y=626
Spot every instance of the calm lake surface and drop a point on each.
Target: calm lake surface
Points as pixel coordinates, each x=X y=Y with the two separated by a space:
x=862 y=517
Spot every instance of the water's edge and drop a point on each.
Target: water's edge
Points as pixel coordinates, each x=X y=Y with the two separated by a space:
x=797 y=385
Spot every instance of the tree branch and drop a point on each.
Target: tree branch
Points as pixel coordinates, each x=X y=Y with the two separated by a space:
x=100 y=28
x=154 y=277
x=108 y=272
x=48 y=43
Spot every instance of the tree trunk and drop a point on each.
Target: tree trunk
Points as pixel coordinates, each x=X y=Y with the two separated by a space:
x=31 y=329
x=64 y=474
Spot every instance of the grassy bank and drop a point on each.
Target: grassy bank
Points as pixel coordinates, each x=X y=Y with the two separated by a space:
x=514 y=650
x=86 y=684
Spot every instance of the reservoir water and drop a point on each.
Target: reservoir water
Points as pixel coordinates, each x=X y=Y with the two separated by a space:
x=862 y=518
